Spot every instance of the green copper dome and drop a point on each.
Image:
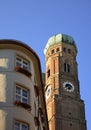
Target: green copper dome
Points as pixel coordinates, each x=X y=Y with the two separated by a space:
x=59 y=38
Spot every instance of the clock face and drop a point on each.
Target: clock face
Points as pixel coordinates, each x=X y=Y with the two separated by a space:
x=68 y=86
x=48 y=91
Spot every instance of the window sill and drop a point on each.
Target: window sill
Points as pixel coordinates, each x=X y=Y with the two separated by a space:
x=21 y=70
x=24 y=105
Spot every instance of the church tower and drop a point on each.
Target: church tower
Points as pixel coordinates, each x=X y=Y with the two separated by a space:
x=65 y=108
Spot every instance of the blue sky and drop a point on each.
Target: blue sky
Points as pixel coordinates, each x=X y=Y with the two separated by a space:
x=33 y=22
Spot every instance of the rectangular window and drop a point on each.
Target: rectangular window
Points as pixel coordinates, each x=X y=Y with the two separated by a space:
x=20 y=126
x=66 y=67
x=48 y=73
x=22 y=63
x=22 y=94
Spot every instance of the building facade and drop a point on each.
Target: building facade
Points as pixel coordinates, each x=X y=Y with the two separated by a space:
x=22 y=101
x=65 y=107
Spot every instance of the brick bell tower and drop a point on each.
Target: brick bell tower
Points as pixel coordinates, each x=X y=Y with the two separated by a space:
x=65 y=108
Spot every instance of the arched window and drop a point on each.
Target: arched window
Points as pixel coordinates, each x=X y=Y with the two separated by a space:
x=66 y=67
x=69 y=50
x=57 y=49
x=64 y=49
x=52 y=51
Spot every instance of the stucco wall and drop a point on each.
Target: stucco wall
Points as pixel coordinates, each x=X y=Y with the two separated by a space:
x=8 y=78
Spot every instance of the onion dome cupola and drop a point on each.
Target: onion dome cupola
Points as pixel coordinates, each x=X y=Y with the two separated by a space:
x=59 y=39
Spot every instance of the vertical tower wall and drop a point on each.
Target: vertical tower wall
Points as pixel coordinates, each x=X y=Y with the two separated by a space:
x=64 y=105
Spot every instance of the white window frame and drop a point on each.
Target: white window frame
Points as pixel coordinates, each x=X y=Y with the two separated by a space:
x=23 y=63
x=21 y=124
x=20 y=94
